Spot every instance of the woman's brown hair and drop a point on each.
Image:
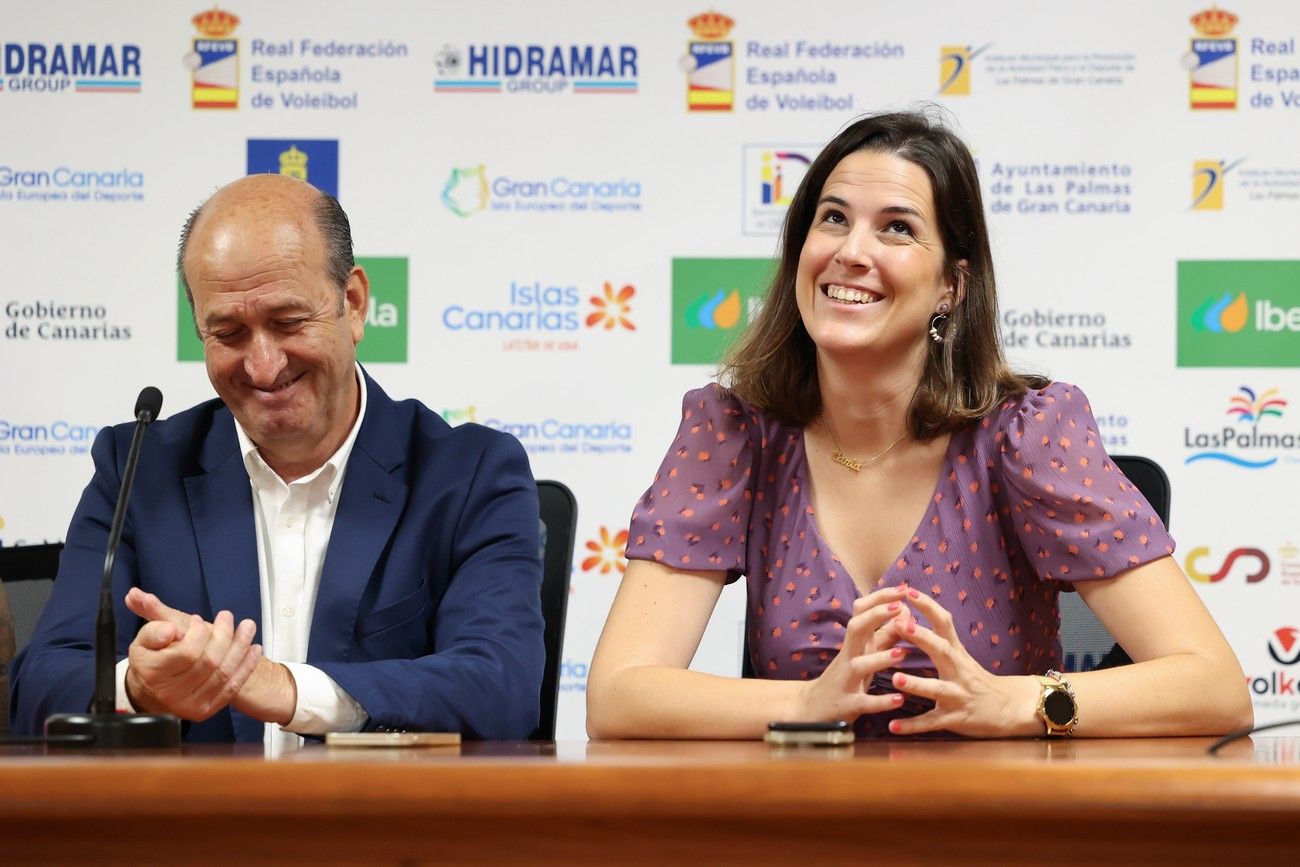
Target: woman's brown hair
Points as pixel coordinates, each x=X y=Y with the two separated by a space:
x=774 y=364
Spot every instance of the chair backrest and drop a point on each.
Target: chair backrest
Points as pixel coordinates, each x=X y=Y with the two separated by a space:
x=1085 y=643
x=559 y=513
x=26 y=579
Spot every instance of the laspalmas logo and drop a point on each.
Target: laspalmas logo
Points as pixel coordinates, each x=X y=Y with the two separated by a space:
x=1243 y=444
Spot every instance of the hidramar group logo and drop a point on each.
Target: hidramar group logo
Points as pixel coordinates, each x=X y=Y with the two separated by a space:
x=47 y=68
x=1211 y=62
x=213 y=60
x=772 y=175
x=954 y=68
x=495 y=68
x=386 y=331
x=471 y=190
x=1239 y=313
x=315 y=161
x=712 y=300
x=1243 y=444
x=1207 y=183
x=710 y=64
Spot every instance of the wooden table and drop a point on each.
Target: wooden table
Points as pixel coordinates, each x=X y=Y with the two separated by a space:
x=898 y=801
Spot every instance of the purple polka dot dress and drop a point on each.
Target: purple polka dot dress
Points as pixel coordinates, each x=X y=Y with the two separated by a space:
x=1026 y=504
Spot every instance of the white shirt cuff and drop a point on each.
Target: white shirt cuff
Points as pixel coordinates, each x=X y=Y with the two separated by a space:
x=323 y=705
x=123 y=703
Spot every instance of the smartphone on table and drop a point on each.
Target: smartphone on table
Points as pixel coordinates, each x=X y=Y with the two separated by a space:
x=809 y=734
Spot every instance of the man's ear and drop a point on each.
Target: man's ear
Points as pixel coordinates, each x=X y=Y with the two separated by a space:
x=356 y=298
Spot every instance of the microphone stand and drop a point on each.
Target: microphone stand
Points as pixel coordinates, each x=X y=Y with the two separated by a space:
x=103 y=727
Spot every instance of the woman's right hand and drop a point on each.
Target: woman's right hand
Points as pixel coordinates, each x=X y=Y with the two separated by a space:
x=840 y=692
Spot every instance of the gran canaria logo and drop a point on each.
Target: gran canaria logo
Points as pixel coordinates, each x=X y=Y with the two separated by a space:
x=710 y=64
x=1207 y=183
x=213 y=60
x=466 y=190
x=1211 y=62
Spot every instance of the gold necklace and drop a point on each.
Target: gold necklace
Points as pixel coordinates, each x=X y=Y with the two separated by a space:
x=853 y=463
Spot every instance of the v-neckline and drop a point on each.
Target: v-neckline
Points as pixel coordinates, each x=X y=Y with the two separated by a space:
x=804 y=472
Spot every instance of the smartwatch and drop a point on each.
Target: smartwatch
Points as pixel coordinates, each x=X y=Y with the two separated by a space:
x=1056 y=705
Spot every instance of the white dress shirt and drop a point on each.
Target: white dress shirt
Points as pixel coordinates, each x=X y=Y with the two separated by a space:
x=293 y=523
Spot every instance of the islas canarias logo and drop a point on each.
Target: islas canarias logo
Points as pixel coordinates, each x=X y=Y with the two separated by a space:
x=954 y=68
x=710 y=64
x=213 y=60
x=1284 y=645
x=613 y=308
x=608 y=552
x=1207 y=183
x=1244 y=445
x=1211 y=61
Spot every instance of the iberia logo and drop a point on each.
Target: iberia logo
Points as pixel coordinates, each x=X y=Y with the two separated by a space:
x=214 y=60
x=466 y=191
x=1211 y=62
x=1284 y=645
x=610 y=552
x=1222 y=313
x=1207 y=183
x=710 y=64
x=717 y=309
x=954 y=68
x=613 y=309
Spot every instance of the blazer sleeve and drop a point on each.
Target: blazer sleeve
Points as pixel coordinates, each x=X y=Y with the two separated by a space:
x=55 y=673
x=484 y=676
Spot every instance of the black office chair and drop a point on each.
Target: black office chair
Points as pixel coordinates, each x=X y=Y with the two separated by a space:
x=559 y=512
x=26 y=579
x=1086 y=645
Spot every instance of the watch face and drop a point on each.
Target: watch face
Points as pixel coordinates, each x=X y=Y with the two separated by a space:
x=1059 y=707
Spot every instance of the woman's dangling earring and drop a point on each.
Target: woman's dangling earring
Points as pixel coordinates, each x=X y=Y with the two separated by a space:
x=937 y=324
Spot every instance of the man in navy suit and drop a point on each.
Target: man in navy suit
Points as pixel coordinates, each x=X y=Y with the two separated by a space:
x=387 y=562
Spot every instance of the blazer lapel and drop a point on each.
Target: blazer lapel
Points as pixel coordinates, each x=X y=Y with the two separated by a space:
x=221 y=508
x=370 y=504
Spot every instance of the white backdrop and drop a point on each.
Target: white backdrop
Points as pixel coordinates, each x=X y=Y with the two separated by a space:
x=507 y=199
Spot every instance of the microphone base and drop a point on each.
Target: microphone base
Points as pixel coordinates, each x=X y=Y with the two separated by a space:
x=116 y=731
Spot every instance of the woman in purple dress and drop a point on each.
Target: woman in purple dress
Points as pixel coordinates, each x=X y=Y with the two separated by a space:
x=904 y=507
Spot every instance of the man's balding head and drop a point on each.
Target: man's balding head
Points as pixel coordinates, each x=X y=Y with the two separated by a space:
x=266 y=198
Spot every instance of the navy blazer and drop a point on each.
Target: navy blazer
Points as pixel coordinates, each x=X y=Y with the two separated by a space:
x=428 y=612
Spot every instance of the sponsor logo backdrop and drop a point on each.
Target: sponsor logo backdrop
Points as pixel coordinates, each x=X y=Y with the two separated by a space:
x=567 y=216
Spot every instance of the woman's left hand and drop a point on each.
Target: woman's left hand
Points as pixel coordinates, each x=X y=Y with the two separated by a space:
x=968 y=700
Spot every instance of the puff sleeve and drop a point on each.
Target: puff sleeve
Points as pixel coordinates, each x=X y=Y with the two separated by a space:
x=1076 y=515
x=696 y=514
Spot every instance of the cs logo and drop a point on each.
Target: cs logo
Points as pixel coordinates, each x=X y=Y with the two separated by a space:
x=1198 y=554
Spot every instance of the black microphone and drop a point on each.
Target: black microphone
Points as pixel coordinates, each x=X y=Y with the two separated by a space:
x=105 y=727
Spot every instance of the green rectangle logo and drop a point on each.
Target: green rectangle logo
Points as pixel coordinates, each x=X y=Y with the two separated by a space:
x=1239 y=313
x=713 y=299
x=386 y=329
